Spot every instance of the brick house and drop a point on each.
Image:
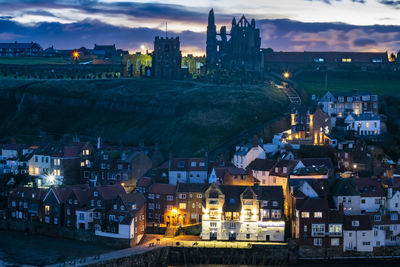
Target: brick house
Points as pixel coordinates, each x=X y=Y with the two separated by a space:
x=317 y=224
x=54 y=203
x=189 y=198
x=25 y=203
x=101 y=200
x=161 y=204
x=78 y=199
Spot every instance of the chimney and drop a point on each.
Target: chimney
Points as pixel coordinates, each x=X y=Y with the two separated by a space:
x=170 y=161
x=255 y=141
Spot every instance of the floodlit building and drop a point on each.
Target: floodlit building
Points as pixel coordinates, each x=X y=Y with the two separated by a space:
x=243 y=213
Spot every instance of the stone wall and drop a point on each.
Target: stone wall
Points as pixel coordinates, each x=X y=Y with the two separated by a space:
x=64 y=232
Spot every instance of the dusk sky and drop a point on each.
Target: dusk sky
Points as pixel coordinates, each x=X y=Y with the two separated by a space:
x=286 y=25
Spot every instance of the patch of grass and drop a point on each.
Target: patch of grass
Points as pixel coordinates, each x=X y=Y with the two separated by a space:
x=34 y=60
x=380 y=83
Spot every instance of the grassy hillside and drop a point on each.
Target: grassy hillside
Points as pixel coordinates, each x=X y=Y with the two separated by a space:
x=377 y=82
x=205 y=115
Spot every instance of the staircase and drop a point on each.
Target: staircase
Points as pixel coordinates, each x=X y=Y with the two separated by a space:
x=171 y=231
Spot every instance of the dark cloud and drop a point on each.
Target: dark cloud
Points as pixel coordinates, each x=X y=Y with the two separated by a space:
x=364 y=42
x=129 y=9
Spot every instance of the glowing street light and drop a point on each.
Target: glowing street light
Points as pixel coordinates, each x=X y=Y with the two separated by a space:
x=286 y=75
x=75 y=55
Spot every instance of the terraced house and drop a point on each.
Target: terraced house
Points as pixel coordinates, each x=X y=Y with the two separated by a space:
x=243 y=213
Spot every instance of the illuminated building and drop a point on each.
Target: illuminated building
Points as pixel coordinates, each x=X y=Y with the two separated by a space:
x=309 y=127
x=243 y=213
x=345 y=103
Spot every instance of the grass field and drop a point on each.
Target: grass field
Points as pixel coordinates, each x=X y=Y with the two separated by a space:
x=381 y=83
x=206 y=115
x=34 y=60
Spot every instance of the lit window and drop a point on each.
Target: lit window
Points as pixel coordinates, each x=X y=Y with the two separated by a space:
x=305 y=215
x=47 y=209
x=182 y=206
x=318 y=214
x=346 y=59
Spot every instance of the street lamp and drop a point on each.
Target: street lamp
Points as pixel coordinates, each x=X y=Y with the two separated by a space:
x=286 y=75
x=75 y=55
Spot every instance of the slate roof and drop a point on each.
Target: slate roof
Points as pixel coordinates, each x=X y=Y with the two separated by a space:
x=13 y=146
x=62 y=192
x=29 y=193
x=109 y=192
x=191 y=187
x=317 y=162
x=159 y=188
x=369 y=187
x=345 y=187
x=262 y=164
x=312 y=204
x=365 y=117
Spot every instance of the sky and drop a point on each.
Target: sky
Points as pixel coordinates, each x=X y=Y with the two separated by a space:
x=286 y=25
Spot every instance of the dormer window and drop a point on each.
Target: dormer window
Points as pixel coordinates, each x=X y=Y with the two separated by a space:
x=193 y=164
x=133 y=206
x=276 y=169
x=284 y=169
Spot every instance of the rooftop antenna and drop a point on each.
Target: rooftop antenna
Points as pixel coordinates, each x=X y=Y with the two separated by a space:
x=166 y=30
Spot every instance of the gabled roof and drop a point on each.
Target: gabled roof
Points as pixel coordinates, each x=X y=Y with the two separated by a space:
x=109 y=192
x=144 y=182
x=29 y=193
x=134 y=198
x=82 y=195
x=62 y=192
x=262 y=164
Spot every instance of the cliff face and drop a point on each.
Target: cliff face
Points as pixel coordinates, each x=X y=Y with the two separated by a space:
x=184 y=118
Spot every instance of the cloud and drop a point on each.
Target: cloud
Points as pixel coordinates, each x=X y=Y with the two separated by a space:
x=364 y=42
x=395 y=3
x=289 y=35
x=279 y=34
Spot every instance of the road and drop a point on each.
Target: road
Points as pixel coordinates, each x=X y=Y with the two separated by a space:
x=145 y=246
